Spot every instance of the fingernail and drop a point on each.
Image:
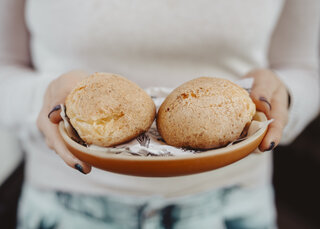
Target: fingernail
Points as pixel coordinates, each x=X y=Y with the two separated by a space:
x=289 y=99
x=79 y=168
x=263 y=99
x=58 y=107
x=272 y=144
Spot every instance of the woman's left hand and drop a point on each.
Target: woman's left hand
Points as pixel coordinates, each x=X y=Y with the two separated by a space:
x=271 y=97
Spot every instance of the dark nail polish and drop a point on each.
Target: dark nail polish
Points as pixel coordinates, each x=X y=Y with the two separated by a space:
x=263 y=99
x=56 y=108
x=272 y=144
x=289 y=99
x=79 y=168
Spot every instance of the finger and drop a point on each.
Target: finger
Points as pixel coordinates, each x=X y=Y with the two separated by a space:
x=280 y=115
x=272 y=138
x=54 y=115
x=261 y=94
x=55 y=141
x=67 y=156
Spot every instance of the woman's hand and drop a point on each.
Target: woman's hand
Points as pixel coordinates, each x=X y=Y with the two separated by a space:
x=49 y=117
x=271 y=97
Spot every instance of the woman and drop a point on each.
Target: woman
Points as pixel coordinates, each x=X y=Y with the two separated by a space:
x=153 y=43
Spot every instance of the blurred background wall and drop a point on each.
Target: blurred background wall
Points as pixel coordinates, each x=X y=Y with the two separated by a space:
x=11 y=176
x=297 y=180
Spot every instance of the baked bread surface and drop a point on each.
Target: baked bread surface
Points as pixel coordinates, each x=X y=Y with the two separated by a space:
x=205 y=113
x=107 y=109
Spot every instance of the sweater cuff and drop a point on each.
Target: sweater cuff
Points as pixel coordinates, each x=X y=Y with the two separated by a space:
x=24 y=99
x=302 y=86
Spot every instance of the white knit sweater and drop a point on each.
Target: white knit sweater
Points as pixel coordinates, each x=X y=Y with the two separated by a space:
x=153 y=43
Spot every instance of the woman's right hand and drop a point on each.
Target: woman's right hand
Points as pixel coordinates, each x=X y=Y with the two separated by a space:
x=49 y=117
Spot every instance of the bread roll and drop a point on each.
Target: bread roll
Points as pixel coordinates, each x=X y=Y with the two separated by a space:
x=205 y=113
x=107 y=109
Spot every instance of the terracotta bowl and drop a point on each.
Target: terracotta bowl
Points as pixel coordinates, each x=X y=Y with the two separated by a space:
x=157 y=166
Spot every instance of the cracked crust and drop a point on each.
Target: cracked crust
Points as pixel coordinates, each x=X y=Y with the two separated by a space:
x=205 y=113
x=107 y=109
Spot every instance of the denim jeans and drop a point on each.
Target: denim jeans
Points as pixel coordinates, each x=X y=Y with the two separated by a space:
x=227 y=208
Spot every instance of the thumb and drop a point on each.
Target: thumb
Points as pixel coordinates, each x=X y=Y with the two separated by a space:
x=54 y=114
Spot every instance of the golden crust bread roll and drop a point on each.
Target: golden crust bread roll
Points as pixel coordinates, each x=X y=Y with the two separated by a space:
x=107 y=109
x=205 y=113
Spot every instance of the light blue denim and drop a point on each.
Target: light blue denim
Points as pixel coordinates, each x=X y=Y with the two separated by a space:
x=227 y=208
